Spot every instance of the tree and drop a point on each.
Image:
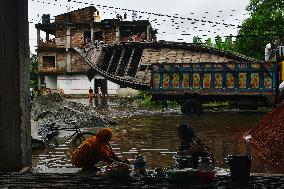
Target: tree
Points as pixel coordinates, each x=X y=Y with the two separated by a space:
x=33 y=71
x=218 y=42
x=227 y=45
x=265 y=24
x=208 y=42
x=197 y=39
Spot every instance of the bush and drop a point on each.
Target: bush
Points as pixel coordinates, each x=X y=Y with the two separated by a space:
x=145 y=101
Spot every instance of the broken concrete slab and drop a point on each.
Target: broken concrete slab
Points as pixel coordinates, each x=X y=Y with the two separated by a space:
x=54 y=108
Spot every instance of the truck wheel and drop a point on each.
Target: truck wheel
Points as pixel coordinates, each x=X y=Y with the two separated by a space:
x=190 y=107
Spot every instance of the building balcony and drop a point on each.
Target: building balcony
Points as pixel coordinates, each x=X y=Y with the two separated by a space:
x=53 y=43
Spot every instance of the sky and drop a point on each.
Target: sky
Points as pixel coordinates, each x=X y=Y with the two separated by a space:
x=182 y=27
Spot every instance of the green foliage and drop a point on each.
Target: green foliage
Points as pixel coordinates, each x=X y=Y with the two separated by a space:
x=208 y=42
x=145 y=101
x=196 y=39
x=173 y=104
x=228 y=44
x=33 y=71
x=265 y=24
x=216 y=104
x=218 y=42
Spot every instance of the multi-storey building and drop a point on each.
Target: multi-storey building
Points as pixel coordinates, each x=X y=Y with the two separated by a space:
x=60 y=66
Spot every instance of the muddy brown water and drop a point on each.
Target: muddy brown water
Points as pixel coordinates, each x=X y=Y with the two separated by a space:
x=153 y=134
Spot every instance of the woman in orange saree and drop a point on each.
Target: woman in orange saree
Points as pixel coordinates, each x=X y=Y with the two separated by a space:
x=94 y=150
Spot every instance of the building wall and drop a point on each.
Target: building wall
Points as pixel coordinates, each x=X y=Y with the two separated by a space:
x=40 y=62
x=85 y=15
x=51 y=82
x=78 y=64
x=77 y=38
x=112 y=88
x=61 y=65
x=74 y=84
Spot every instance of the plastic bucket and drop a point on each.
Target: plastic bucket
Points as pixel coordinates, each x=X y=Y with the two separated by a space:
x=240 y=168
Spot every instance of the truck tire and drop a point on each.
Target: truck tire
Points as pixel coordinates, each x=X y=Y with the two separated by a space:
x=191 y=107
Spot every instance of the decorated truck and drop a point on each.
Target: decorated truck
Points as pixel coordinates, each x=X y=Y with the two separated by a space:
x=191 y=74
x=248 y=85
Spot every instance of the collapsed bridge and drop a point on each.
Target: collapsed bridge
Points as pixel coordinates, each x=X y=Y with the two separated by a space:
x=128 y=64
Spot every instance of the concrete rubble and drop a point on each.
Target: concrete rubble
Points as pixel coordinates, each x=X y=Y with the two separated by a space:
x=54 y=108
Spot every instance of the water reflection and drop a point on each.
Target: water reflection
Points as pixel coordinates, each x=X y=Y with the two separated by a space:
x=154 y=136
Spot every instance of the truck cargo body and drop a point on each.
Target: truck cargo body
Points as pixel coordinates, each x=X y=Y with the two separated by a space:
x=247 y=84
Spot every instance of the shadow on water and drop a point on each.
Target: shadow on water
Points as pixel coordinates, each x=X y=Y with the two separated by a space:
x=153 y=134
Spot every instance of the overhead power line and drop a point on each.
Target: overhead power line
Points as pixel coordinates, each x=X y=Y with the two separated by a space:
x=175 y=16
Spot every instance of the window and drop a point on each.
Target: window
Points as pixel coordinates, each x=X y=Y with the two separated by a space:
x=48 y=61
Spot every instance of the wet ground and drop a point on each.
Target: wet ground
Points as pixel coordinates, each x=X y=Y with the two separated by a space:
x=64 y=181
x=153 y=134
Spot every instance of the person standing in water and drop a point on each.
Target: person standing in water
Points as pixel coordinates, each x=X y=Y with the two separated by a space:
x=91 y=96
x=100 y=94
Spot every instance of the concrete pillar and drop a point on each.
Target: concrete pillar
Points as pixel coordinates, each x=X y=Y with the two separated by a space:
x=68 y=38
x=68 y=46
x=46 y=36
x=38 y=44
x=38 y=37
x=15 y=133
x=68 y=61
x=92 y=35
x=117 y=35
x=148 y=33
x=38 y=82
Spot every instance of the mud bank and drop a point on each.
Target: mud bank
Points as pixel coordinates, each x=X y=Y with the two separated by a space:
x=268 y=135
x=54 y=108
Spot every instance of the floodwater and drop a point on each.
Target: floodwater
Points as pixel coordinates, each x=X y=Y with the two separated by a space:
x=153 y=134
